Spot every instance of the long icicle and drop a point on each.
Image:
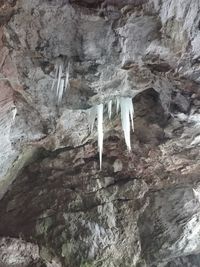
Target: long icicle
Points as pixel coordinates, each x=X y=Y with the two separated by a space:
x=117 y=104
x=59 y=79
x=67 y=77
x=124 y=104
x=92 y=117
x=61 y=89
x=109 y=109
x=131 y=111
x=100 y=131
x=55 y=78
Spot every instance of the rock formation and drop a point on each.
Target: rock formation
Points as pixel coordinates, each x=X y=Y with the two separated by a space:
x=57 y=208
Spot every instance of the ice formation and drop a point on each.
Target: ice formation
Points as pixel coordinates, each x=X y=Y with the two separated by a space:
x=117 y=104
x=14 y=112
x=125 y=104
x=92 y=117
x=59 y=79
x=61 y=89
x=100 y=131
x=60 y=82
x=67 y=77
x=109 y=109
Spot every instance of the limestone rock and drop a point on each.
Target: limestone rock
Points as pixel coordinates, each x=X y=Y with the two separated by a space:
x=57 y=208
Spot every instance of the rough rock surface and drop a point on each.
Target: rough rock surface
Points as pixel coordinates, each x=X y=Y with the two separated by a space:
x=57 y=208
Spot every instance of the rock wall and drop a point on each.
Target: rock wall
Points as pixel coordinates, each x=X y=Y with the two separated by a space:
x=142 y=208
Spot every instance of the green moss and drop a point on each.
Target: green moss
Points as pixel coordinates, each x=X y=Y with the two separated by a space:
x=43 y=225
x=76 y=204
x=85 y=263
x=45 y=254
x=66 y=250
x=67 y=254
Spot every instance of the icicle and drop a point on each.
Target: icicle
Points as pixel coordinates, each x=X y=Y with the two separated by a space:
x=67 y=77
x=55 y=79
x=127 y=113
x=92 y=117
x=14 y=112
x=117 y=104
x=62 y=84
x=124 y=103
x=131 y=111
x=109 y=109
x=59 y=79
x=61 y=89
x=100 y=131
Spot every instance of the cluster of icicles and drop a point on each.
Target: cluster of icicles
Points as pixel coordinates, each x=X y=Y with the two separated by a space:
x=125 y=104
x=61 y=81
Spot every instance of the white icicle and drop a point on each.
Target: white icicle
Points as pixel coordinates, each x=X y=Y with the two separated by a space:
x=109 y=109
x=14 y=112
x=117 y=104
x=61 y=84
x=127 y=113
x=67 y=77
x=100 y=131
x=92 y=117
x=59 y=79
x=55 y=78
x=61 y=89
x=131 y=111
x=125 y=110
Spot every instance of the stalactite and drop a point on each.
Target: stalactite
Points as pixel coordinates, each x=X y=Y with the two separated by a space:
x=61 y=82
x=14 y=112
x=100 y=131
x=109 y=109
x=61 y=90
x=126 y=114
x=125 y=104
x=59 y=79
x=117 y=104
x=67 y=77
x=92 y=117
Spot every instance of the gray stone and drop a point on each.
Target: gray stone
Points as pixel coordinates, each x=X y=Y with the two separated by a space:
x=57 y=208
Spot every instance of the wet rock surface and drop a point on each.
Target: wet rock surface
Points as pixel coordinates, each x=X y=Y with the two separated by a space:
x=57 y=208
